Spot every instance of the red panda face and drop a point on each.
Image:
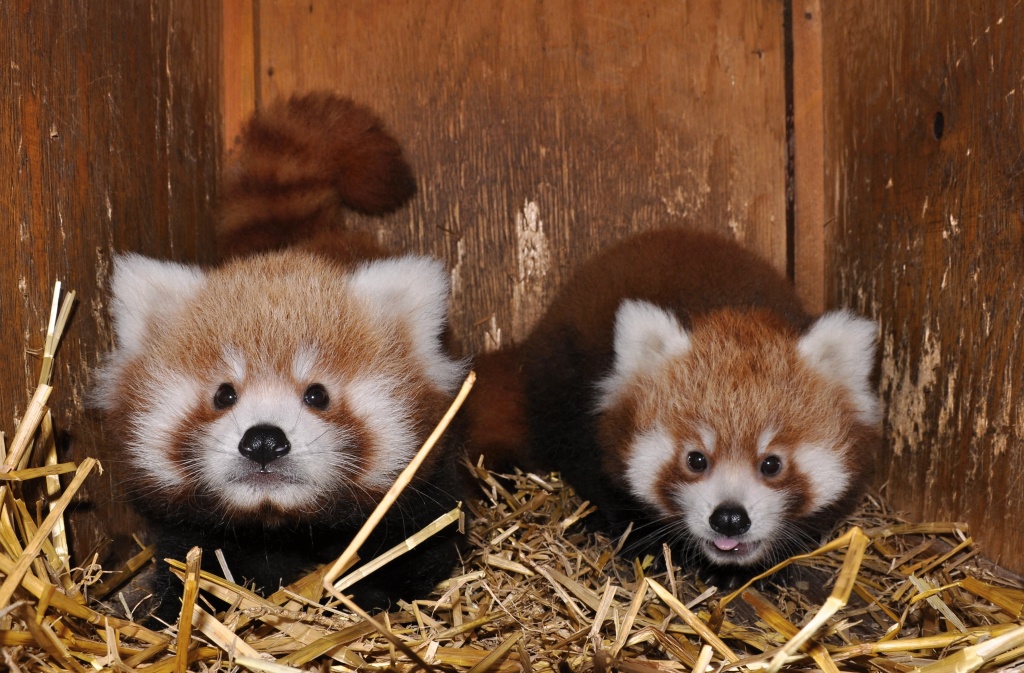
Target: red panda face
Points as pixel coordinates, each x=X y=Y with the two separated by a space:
x=738 y=431
x=278 y=387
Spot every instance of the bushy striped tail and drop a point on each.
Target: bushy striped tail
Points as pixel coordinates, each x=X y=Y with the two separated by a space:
x=300 y=163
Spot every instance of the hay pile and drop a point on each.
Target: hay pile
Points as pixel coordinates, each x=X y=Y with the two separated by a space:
x=535 y=592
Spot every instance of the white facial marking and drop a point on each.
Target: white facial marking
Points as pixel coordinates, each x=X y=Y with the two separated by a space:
x=152 y=431
x=304 y=363
x=737 y=484
x=708 y=437
x=316 y=457
x=645 y=337
x=841 y=347
x=764 y=440
x=650 y=453
x=375 y=401
x=234 y=359
x=825 y=472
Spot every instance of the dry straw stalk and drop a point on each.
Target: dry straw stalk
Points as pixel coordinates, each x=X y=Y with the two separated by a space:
x=536 y=592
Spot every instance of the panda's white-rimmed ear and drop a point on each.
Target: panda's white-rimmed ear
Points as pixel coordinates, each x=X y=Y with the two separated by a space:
x=142 y=288
x=645 y=336
x=840 y=346
x=412 y=291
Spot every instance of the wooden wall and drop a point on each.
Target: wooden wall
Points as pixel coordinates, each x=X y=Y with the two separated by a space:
x=542 y=131
x=924 y=186
x=108 y=141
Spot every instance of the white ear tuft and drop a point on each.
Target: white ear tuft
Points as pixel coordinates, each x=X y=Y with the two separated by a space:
x=841 y=347
x=645 y=336
x=413 y=291
x=142 y=288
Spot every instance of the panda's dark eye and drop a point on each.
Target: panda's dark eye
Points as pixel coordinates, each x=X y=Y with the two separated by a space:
x=771 y=466
x=316 y=396
x=696 y=461
x=225 y=396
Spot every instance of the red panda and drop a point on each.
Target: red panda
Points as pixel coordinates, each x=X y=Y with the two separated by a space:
x=264 y=406
x=676 y=383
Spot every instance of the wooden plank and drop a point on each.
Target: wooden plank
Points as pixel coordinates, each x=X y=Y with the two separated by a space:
x=925 y=103
x=238 y=48
x=809 y=220
x=107 y=126
x=542 y=131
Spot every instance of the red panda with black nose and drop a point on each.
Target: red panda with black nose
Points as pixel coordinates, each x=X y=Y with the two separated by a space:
x=676 y=383
x=264 y=406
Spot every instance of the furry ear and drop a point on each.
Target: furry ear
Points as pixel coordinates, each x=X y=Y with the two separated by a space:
x=412 y=291
x=645 y=336
x=841 y=347
x=142 y=288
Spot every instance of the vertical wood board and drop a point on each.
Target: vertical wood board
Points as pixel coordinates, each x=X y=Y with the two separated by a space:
x=540 y=132
x=809 y=219
x=109 y=142
x=925 y=180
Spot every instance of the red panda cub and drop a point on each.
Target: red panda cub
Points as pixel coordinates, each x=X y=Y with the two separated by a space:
x=676 y=383
x=264 y=406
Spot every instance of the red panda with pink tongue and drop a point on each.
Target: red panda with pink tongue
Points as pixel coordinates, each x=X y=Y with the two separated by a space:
x=676 y=382
x=264 y=406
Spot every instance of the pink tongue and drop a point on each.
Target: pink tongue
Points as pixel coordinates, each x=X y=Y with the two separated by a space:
x=726 y=544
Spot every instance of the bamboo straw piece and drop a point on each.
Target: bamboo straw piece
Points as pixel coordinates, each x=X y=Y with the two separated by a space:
x=193 y=560
x=263 y=666
x=693 y=622
x=27 y=428
x=838 y=543
x=222 y=636
x=924 y=586
x=30 y=473
x=390 y=555
x=487 y=662
x=58 y=535
x=974 y=657
x=607 y=596
x=778 y=621
x=858 y=543
x=704 y=660
x=994 y=595
x=35 y=544
x=54 y=333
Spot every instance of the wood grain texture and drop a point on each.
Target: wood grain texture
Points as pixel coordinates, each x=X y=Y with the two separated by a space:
x=809 y=219
x=925 y=176
x=542 y=131
x=109 y=142
x=238 y=46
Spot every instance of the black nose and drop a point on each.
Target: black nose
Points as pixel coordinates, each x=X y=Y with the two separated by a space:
x=264 y=443
x=730 y=519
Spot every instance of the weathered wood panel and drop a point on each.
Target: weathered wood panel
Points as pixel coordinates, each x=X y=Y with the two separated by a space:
x=925 y=175
x=109 y=141
x=808 y=147
x=541 y=131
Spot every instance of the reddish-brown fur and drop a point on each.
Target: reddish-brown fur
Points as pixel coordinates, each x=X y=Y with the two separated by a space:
x=299 y=165
x=741 y=377
x=645 y=265
x=494 y=416
x=294 y=305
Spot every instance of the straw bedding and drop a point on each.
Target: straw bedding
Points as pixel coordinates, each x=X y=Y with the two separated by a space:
x=536 y=591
